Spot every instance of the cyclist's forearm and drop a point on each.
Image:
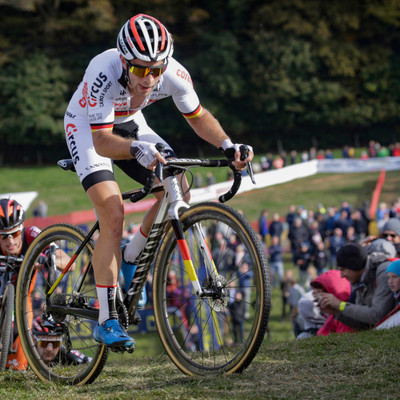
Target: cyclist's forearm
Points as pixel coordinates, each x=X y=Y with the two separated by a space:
x=208 y=128
x=112 y=146
x=62 y=259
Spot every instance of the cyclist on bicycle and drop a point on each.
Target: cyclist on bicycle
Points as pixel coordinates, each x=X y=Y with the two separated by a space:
x=104 y=124
x=14 y=241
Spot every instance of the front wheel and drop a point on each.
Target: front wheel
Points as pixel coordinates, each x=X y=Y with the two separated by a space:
x=56 y=329
x=222 y=331
x=7 y=305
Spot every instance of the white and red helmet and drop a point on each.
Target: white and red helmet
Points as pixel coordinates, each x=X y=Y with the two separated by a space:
x=145 y=38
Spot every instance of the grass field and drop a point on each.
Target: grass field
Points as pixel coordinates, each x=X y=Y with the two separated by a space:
x=349 y=366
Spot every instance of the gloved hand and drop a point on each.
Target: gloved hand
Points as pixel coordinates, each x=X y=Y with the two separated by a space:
x=236 y=151
x=230 y=148
x=144 y=152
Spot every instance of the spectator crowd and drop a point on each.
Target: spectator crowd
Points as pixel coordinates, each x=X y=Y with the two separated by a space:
x=283 y=159
x=348 y=279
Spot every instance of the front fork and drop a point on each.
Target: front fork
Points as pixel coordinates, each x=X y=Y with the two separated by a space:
x=213 y=288
x=174 y=192
x=185 y=253
x=186 y=256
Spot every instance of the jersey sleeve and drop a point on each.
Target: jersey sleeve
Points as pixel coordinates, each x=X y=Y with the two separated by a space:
x=31 y=233
x=99 y=85
x=180 y=85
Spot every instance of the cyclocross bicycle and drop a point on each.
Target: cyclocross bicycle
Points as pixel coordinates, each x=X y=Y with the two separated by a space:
x=200 y=257
x=9 y=267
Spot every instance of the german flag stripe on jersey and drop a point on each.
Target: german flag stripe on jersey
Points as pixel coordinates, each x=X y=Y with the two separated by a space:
x=124 y=113
x=97 y=127
x=194 y=113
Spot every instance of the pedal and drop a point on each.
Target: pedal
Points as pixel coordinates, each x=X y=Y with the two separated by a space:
x=118 y=348
x=122 y=349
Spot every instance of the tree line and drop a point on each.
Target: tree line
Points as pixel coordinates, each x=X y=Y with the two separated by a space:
x=288 y=74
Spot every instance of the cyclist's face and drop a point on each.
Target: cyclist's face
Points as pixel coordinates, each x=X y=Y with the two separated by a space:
x=142 y=86
x=11 y=244
x=48 y=349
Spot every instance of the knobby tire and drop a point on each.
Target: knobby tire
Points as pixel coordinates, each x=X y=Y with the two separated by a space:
x=78 y=331
x=199 y=334
x=6 y=327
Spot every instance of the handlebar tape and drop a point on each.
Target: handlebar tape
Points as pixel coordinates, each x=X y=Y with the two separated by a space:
x=237 y=179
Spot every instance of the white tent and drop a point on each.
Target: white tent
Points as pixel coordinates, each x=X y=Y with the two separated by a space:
x=23 y=198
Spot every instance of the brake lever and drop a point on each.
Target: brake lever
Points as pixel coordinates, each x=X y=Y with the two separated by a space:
x=244 y=152
x=249 y=169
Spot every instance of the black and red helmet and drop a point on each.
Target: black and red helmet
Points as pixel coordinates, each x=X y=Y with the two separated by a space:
x=46 y=328
x=12 y=214
x=145 y=38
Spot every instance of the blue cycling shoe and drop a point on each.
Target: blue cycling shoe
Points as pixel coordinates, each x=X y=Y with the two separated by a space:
x=111 y=334
x=128 y=271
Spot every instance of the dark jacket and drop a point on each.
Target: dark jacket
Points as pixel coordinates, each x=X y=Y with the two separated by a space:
x=374 y=299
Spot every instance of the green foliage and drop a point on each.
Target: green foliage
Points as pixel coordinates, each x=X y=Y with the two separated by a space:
x=223 y=55
x=317 y=65
x=32 y=94
x=288 y=73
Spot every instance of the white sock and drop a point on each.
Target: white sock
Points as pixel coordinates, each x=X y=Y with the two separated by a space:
x=106 y=296
x=135 y=246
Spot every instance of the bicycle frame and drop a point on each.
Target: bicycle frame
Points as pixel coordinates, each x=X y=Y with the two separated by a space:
x=170 y=206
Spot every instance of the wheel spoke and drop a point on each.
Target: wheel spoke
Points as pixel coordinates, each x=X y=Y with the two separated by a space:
x=212 y=334
x=78 y=359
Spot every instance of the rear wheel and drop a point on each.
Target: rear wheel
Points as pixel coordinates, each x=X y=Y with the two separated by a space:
x=80 y=359
x=7 y=306
x=222 y=331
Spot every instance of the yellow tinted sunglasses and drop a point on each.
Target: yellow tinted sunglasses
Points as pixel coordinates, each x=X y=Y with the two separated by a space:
x=142 y=71
x=43 y=343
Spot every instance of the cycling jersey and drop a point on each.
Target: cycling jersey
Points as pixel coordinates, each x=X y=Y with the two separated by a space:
x=28 y=235
x=102 y=101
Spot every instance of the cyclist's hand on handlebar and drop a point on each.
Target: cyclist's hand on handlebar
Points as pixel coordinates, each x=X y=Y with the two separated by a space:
x=235 y=150
x=146 y=154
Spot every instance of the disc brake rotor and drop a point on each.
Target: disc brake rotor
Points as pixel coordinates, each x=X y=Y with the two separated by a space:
x=221 y=299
